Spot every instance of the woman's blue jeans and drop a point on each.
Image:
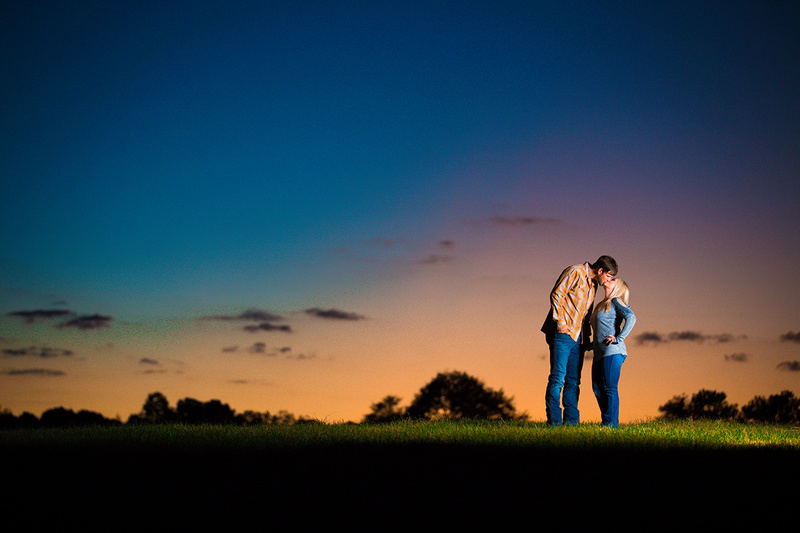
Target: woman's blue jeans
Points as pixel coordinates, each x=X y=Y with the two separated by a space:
x=605 y=384
x=566 y=363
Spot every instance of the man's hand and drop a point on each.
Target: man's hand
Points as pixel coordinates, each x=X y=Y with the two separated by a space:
x=563 y=329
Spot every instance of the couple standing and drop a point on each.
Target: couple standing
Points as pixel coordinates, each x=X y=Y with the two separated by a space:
x=568 y=329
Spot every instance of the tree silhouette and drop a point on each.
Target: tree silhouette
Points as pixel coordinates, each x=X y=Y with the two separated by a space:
x=783 y=408
x=156 y=409
x=711 y=405
x=705 y=404
x=191 y=411
x=456 y=395
x=675 y=408
x=61 y=417
x=386 y=410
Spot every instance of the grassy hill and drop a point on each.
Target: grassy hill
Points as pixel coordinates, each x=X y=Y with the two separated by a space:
x=414 y=474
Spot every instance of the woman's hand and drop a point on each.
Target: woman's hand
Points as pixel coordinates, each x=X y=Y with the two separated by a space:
x=610 y=339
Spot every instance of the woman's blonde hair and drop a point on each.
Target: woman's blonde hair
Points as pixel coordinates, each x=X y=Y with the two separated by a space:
x=620 y=291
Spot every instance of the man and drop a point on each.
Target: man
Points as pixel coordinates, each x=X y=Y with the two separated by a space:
x=568 y=334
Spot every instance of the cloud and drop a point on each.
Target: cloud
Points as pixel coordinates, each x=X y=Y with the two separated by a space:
x=512 y=221
x=251 y=315
x=790 y=366
x=266 y=326
x=690 y=336
x=302 y=356
x=32 y=316
x=382 y=241
x=256 y=382
x=34 y=372
x=334 y=314
x=737 y=357
x=520 y=221
x=258 y=347
x=263 y=318
x=85 y=322
x=649 y=336
x=45 y=352
x=94 y=321
x=148 y=361
x=791 y=337
x=436 y=259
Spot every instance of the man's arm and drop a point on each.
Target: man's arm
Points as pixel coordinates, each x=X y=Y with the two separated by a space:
x=568 y=279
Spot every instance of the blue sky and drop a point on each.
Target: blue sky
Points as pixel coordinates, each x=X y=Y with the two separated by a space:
x=165 y=161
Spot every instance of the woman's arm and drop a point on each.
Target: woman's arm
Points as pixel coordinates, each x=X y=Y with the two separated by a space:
x=628 y=315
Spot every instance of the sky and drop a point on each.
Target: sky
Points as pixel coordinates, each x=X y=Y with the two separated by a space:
x=308 y=206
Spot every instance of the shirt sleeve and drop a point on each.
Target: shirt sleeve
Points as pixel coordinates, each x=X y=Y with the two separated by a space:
x=628 y=315
x=558 y=296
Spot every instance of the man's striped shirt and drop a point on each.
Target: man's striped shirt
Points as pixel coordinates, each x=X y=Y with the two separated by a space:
x=572 y=298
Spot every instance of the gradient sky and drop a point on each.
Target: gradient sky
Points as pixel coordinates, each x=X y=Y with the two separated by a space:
x=311 y=205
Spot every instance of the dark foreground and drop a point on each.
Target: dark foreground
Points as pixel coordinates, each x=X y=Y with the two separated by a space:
x=375 y=487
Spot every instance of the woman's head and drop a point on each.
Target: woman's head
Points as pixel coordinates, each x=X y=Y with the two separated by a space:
x=617 y=288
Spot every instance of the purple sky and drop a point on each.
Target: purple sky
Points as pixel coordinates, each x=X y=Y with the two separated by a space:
x=420 y=171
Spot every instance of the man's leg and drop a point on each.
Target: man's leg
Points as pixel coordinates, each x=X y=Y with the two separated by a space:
x=560 y=349
x=572 y=382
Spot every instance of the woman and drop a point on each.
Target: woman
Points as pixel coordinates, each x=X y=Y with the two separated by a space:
x=612 y=321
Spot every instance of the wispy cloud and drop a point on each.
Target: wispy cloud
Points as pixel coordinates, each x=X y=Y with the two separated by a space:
x=791 y=337
x=266 y=326
x=251 y=315
x=790 y=366
x=335 y=314
x=436 y=259
x=516 y=221
x=301 y=356
x=688 y=336
x=46 y=372
x=521 y=221
x=40 y=314
x=259 y=348
x=737 y=357
x=44 y=352
x=86 y=322
x=263 y=320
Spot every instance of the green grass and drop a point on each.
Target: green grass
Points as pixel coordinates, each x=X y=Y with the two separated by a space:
x=654 y=434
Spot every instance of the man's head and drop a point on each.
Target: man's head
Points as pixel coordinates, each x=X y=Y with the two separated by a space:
x=605 y=268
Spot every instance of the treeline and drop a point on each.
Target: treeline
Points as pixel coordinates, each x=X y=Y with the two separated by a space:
x=450 y=395
x=156 y=410
x=783 y=408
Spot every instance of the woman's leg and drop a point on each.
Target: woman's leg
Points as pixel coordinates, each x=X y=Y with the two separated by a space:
x=612 y=368
x=598 y=384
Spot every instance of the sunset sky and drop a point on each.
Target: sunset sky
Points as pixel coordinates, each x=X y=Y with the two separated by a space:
x=309 y=206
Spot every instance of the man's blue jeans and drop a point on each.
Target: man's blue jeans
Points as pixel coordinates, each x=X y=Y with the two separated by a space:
x=605 y=384
x=566 y=363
